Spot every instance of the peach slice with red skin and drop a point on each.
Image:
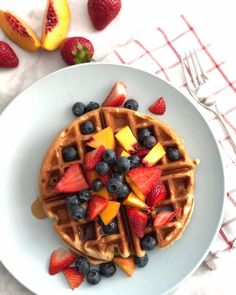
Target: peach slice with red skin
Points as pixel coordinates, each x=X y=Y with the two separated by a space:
x=18 y=31
x=133 y=201
x=126 y=139
x=56 y=24
x=126 y=264
x=104 y=137
x=154 y=155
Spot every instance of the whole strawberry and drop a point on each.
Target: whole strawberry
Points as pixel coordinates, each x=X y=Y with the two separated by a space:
x=8 y=58
x=102 y=12
x=76 y=50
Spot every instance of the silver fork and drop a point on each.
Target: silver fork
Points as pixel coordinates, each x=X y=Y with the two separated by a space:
x=200 y=88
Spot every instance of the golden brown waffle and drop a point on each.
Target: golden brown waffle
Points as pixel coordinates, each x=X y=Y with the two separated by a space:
x=87 y=238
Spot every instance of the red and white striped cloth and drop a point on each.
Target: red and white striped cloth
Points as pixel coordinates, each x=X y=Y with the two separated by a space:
x=159 y=52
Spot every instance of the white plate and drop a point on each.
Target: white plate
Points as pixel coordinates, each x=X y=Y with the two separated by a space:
x=28 y=126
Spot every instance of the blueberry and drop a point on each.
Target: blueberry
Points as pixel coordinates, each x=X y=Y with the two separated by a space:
x=149 y=141
x=78 y=212
x=114 y=186
x=141 y=261
x=148 y=243
x=107 y=269
x=134 y=161
x=87 y=127
x=97 y=185
x=102 y=168
x=78 y=109
x=69 y=154
x=144 y=132
x=82 y=265
x=117 y=175
x=92 y=106
x=110 y=228
x=173 y=154
x=109 y=156
x=123 y=164
x=84 y=195
x=93 y=277
x=72 y=201
x=131 y=104
x=124 y=191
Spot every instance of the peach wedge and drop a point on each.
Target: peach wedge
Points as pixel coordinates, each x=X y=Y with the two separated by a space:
x=110 y=212
x=126 y=264
x=104 y=137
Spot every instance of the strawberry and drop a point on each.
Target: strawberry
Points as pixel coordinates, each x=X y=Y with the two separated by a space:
x=74 y=277
x=157 y=194
x=91 y=159
x=95 y=206
x=72 y=181
x=102 y=12
x=142 y=152
x=117 y=95
x=104 y=178
x=138 y=221
x=159 y=107
x=60 y=259
x=8 y=58
x=76 y=50
x=164 y=217
x=145 y=177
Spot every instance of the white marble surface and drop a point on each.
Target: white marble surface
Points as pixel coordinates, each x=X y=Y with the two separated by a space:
x=216 y=22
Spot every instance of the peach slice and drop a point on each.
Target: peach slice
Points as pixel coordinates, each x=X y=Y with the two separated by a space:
x=18 y=31
x=103 y=193
x=124 y=154
x=126 y=264
x=56 y=24
x=135 y=189
x=155 y=154
x=126 y=139
x=133 y=201
x=110 y=212
x=104 y=137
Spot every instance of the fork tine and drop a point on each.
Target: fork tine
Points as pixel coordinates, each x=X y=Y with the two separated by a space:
x=203 y=74
x=187 y=75
x=191 y=70
x=197 y=69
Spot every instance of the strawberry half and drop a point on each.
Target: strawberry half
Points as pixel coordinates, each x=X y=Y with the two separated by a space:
x=117 y=95
x=159 y=107
x=164 y=217
x=95 y=206
x=74 y=277
x=91 y=159
x=145 y=177
x=157 y=194
x=138 y=221
x=72 y=181
x=60 y=259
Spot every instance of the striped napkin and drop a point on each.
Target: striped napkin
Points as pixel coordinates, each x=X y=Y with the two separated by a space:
x=159 y=52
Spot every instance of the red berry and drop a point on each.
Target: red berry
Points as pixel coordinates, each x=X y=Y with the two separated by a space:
x=164 y=217
x=74 y=277
x=91 y=159
x=95 y=206
x=8 y=58
x=117 y=95
x=60 y=259
x=157 y=194
x=159 y=107
x=138 y=221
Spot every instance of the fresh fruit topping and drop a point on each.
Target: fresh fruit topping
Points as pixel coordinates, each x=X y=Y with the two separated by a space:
x=69 y=154
x=134 y=161
x=102 y=168
x=114 y=186
x=18 y=31
x=141 y=261
x=78 y=212
x=110 y=228
x=92 y=105
x=93 y=277
x=135 y=189
x=159 y=107
x=173 y=154
x=142 y=152
x=126 y=139
x=133 y=201
x=164 y=217
x=104 y=178
x=91 y=175
x=138 y=221
x=87 y=127
x=56 y=24
x=104 y=137
x=131 y=104
x=110 y=212
x=102 y=12
x=107 y=269
x=103 y=193
x=109 y=156
x=117 y=95
x=123 y=164
x=126 y=264
x=82 y=265
x=95 y=206
x=84 y=195
x=124 y=154
x=60 y=259
x=149 y=141
x=154 y=156
x=148 y=243
x=72 y=181
x=72 y=201
x=116 y=174
x=73 y=277
x=78 y=109
x=145 y=177
x=97 y=185
x=157 y=194
x=8 y=58
x=76 y=50
x=91 y=159
x=124 y=191
x=143 y=132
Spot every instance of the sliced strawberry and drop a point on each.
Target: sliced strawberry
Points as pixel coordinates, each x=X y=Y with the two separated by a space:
x=159 y=107
x=117 y=95
x=142 y=152
x=95 y=206
x=164 y=217
x=157 y=194
x=138 y=221
x=60 y=259
x=104 y=178
x=91 y=159
x=145 y=177
x=74 y=277
x=72 y=181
